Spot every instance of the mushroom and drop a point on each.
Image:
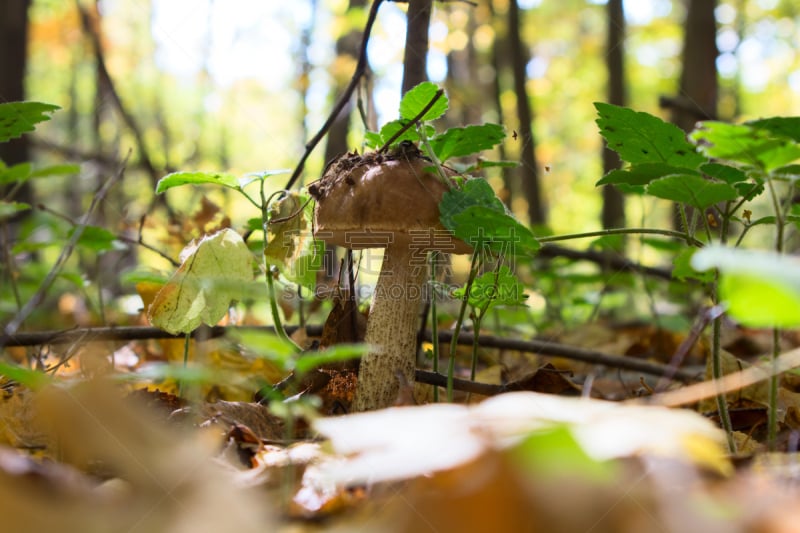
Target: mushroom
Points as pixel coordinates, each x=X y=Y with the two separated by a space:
x=392 y=202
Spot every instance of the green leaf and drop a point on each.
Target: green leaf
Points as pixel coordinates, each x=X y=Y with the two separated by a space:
x=17 y=118
x=481 y=226
x=332 y=354
x=195 y=178
x=724 y=173
x=460 y=142
x=746 y=144
x=482 y=164
x=472 y=192
x=494 y=288
x=250 y=177
x=418 y=97
x=214 y=271
x=692 y=190
x=267 y=345
x=391 y=128
x=789 y=172
x=788 y=127
x=761 y=289
x=642 y=138
x=641 y=174
x=475 y=215
x=98 y=239
x=143 y=276
x=56 y=170
x=33 y=379
x=9 y=209
x=553 y=452
x=682 y=267
x=18 y=173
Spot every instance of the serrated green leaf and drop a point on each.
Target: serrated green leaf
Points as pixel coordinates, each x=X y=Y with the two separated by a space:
x=761 y=289
x=639 y=137
x=390 y=128
x=9 y=209
x=372 y=140
x=788 y=127
x=745 y=144
x=472 y=192
x=420 y=96
x=460 y=142
x=692 y=190
x=641 y=174
x=724 y=173
x=17 y=118
x=177 y=179
x=499 y=232
x=494 y=288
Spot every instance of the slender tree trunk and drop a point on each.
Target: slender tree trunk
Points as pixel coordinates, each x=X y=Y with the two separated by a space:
x=415 y=58
x=699 y=86
x=13 y=60
x=528 y=171
x=613 y=215
x=500 y=65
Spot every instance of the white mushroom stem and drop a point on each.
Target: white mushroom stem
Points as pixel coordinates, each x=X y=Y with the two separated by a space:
x=392 y=326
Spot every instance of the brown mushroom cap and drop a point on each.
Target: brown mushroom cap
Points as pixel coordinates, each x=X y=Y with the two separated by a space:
x=367 y=201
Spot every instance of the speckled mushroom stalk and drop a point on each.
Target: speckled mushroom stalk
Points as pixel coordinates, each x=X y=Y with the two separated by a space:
x=390 y=201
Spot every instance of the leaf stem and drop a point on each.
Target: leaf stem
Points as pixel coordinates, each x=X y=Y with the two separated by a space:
x=473 y=271
x=624 y=231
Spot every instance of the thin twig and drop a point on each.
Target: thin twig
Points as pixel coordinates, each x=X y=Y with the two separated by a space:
x=12 y=327
x=121 y=238
x=413 y=121
x=361 y=67
x=102 y=70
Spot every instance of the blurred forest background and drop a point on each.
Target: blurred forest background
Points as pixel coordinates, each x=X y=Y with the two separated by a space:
x=241 y=85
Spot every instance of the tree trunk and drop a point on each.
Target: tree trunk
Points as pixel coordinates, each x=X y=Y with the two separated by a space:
x=613 y=214
x=699 y=87
x=348 y=45
x=13 y=59
x=415 y=57
x=528 y=171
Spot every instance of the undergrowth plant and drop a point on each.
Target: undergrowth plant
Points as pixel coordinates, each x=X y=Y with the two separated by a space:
x=714 y=176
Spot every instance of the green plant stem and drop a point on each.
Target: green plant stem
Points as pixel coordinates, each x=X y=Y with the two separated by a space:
x=774 y=380
x=186 y=340
x=473 y=271
x=434 y=322
x=685 y=223
x=716 y=355
x=623 y=231
x=273 y=301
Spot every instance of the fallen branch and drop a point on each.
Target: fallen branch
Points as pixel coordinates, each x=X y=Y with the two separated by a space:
x=544 y=348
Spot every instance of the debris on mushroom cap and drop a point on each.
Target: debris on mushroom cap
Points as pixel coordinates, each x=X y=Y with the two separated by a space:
x=366 y=201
